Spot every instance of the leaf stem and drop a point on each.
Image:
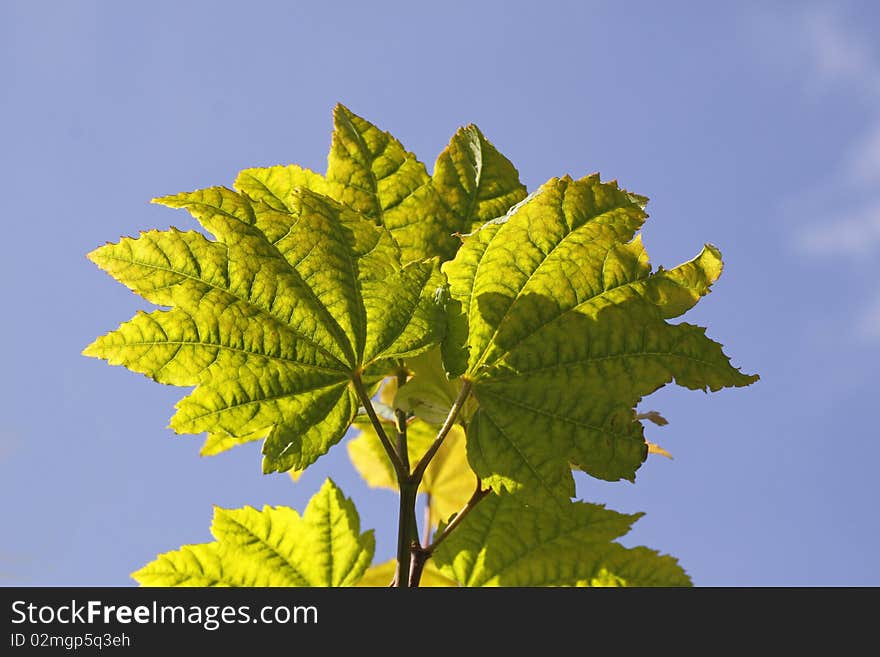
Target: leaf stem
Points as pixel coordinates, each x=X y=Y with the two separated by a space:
x=457 y=405
x=399 y=469
x=411 y=555
x=477 y=496
x=421 y=555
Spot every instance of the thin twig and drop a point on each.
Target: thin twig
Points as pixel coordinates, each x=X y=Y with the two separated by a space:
x=478 y=495
x=358 y=383
x=441 y=434
x=420 y=555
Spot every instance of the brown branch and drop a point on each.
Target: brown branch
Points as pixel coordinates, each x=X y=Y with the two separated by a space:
x=420 y=555
x=476 y=498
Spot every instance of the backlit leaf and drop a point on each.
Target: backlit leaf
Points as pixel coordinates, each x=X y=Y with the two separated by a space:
x=370 y=171
x=428 y=393
x=272 y=547
x=270 y=320
x=562 y=329
x=505 y=543
x=476 y=181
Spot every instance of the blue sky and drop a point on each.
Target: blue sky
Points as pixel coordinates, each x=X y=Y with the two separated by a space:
x=754 y=127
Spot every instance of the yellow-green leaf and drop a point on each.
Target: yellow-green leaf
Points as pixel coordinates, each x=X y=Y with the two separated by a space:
x=371 y=171
x=428 y=393
x=503 y=542
x=275 y=186
x=561 y=328
x=476 y=181
x=272 y=547
x=271 y=319
x=217 y=443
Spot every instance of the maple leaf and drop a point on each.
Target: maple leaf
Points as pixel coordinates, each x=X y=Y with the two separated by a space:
x=371 y=172
x=272 y=547
x=503 y=542
x=561 y=327
x=272 y=319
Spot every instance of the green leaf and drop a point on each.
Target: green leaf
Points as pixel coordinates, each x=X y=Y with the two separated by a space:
x=276 y=186
x=382 y=574
x=371 y=171
x=272 y=319
x=273 y=547
x=505 y=543
x=562 y=330
x=476 y=181
x=217 y=443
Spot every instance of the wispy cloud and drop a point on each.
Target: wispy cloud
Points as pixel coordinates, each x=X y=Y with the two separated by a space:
x=844 y=209
x=838 y=54
x=868 y=326
x=863 y=163
x=857 y=234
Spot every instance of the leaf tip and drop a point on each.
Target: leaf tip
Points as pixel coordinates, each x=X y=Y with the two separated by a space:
x=267 y=466
x=712 y=262
x=169 y=200
x=341 y=111
x=91 y=351
x=474 y=130
x=139 y=576
x=329 y=487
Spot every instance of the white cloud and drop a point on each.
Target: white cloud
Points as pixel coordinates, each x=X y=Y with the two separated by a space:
x=841 y=57
x=846 y=222
x=839 y=54
x=864 y=159
x=857 y=233
x=869 y=323
x=843 y=211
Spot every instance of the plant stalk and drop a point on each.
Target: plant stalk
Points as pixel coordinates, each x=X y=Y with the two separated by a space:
x=411 y=555
x=361 y=391
x=457 y=405
x=478 y=494
x=421 y=554
x=406 y=529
